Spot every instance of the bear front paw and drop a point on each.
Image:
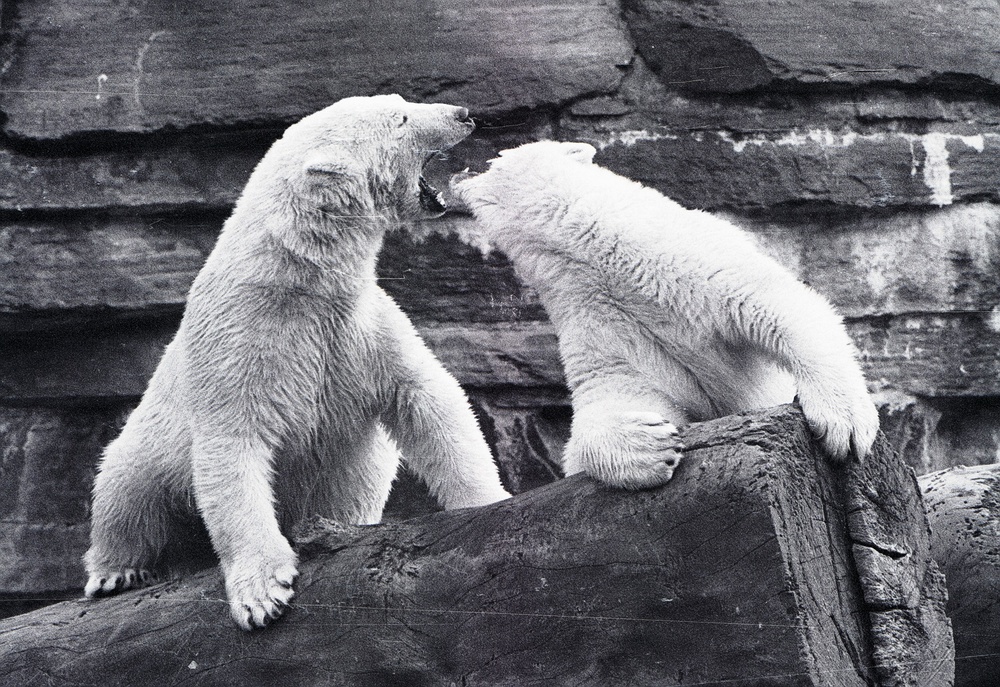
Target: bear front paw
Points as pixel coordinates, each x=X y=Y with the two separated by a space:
x=844 y=430
x=639 y=451
x=259 y=593
x=108 y=582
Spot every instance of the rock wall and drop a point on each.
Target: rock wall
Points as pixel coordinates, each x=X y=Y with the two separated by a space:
x=857 y=141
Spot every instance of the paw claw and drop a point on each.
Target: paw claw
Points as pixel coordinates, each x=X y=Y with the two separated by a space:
x=635 y=450
x=844 y=431
x=114 y=584
x=111 y=583
x=259 y=593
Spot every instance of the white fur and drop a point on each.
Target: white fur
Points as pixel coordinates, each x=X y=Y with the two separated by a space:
x=294 y=381
x=665 y=315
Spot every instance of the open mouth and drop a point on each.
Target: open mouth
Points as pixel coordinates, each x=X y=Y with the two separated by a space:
x=431 y=199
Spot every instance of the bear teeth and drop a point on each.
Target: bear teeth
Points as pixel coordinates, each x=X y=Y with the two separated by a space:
x=431 y=199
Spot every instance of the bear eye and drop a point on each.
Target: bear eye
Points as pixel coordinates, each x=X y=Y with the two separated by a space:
x=403 y=119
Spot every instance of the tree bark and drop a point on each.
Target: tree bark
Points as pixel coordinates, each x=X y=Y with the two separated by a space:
x=963 y=506
x=759 y=563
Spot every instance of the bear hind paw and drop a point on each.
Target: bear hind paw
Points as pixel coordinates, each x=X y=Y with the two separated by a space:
x=106 y=583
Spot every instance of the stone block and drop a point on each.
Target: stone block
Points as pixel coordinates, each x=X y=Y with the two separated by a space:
x=951 y=356
x=932 y=434
x=110 y=363
x=733 y=46
x=931 y=261
x=207 y=171
x=99 y=66
x=527 y=432
x=58 y=272
x=720 y=170
x=48 y=459
x=945 y=354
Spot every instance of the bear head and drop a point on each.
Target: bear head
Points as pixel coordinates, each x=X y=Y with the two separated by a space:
x=519 y=185
x=367 y=154
x=516 y=167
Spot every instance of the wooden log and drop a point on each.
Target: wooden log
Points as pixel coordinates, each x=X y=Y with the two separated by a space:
x=963 y=507
x=759 y=563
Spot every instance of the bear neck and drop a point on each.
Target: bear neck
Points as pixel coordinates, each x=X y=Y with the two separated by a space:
x=320 y=248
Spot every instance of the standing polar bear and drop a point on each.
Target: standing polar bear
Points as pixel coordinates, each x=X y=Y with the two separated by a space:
x=294 y=380
x=664 y=315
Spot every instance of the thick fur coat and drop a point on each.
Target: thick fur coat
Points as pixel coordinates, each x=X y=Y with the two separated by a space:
x=294 y=381
x=664 y=315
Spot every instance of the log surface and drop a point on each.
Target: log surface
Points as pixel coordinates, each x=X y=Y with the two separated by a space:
x=757 y=564
x=963 y=507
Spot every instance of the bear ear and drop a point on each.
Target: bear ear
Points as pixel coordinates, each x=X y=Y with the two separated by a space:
x=581 y=152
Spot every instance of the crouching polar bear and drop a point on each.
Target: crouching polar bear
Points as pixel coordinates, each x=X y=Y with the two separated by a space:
x=664 y=315
x=294 y=381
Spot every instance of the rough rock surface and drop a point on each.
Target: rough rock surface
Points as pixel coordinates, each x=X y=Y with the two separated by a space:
x=143 y=67
x=46 y=467
x=731 y=46
x=963 y=507
x=758 y=562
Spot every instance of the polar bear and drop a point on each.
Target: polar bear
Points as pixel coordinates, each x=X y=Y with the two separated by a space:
x=664 y=315
x=294 y=381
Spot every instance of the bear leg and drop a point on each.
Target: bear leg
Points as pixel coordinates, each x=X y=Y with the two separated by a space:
x=437 y=432
x=232 y=487
x=131 y=523
x=359 y=486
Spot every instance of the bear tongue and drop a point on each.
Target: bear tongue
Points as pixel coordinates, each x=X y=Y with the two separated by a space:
x=430 y=198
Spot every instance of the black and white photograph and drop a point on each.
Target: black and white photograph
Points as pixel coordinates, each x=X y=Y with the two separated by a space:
x=426 y=343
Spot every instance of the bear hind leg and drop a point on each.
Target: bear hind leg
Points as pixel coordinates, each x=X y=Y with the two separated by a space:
x=132 y=522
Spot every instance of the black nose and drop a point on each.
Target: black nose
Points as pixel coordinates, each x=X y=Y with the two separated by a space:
x=462 y=114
